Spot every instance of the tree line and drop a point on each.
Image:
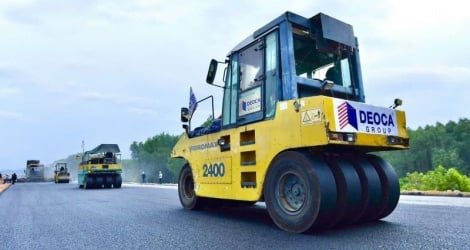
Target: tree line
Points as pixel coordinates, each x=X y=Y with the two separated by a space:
x=431 y=146
x=152 y=156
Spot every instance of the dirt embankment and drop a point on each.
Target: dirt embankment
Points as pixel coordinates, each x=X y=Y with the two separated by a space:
x=3 y=187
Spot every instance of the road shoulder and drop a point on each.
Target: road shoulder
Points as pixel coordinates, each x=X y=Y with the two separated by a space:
x=4 y=187
x=437 y=193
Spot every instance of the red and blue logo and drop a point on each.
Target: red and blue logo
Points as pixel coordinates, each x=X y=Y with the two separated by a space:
x=359 y=117
x=347 y=115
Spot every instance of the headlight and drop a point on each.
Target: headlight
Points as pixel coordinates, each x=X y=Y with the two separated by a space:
x=395 y=140
x=346 y=137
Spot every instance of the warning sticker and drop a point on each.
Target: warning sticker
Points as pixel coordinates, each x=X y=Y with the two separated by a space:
x=311 y=116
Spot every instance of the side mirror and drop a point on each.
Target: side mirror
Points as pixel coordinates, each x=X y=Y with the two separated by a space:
x=212 y=71
x=397 y=102
x=184 y=114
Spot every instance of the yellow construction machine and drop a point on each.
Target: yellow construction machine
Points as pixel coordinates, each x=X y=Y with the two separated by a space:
x=100 y=167
x=61 y=173
x=295 y=131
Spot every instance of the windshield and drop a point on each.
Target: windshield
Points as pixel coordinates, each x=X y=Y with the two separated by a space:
x=312 y=63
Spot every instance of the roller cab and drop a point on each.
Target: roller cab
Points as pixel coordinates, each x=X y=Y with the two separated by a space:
x=295 y=130
x=100 y=167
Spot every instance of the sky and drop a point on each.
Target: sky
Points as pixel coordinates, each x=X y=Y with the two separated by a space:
x=118 y=71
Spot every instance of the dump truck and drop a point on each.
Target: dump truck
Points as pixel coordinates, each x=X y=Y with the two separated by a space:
x=61 y=173
x=34 y=171
x=295 y=131
x=100 y=167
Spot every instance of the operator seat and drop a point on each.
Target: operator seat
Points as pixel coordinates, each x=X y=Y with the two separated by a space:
x=334 y=74
x=108 y=158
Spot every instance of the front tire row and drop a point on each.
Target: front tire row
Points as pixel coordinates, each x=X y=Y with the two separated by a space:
x=99 y=181
x=306 y=192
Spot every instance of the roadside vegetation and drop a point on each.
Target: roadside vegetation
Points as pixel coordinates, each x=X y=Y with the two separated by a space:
x=439 y=179
x=438 y=158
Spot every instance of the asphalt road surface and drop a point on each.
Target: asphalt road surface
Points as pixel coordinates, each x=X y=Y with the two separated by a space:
x=62 y=216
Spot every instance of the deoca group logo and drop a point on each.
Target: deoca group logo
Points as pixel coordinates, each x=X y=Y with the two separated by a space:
x=360 y=117
x=251 y=105
x=249 y=102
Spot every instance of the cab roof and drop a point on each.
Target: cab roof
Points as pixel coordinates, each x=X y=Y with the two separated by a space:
x=321 y=24
x=103 y=148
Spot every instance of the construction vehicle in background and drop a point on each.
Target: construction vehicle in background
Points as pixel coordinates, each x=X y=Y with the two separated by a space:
x=61 y=173
x=34 y=171
x=100 y=167
x=295 y=131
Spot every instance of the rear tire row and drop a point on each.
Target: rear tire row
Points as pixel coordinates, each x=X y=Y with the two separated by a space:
x=102 y=181
x=61 y=181
x=329 y=190
x=306 y=192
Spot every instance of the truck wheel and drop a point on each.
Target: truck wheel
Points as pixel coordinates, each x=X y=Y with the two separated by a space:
x=186 y=193
x=293 y=193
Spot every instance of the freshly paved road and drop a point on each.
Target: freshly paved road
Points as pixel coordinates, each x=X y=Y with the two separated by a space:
x=61 y=216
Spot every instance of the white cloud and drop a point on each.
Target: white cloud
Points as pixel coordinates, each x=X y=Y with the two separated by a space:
x=62 y=60
x=8 y=91
x=143 y=111
x=11 y=115
x=452 y=74
x=109 y=96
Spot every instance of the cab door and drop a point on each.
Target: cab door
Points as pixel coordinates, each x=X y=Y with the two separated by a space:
x=252 y=83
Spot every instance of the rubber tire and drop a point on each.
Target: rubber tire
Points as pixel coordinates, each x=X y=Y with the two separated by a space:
x=351 y=202
x=117 y=181
x=88 y=182
x=108 y=181
x=186 y=193
x=297 y=188
x=99 y=181
x=372 y=188
x=390 y=186
x=336 y=214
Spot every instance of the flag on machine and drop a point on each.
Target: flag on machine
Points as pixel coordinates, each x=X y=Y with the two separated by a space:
x=192 y=102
